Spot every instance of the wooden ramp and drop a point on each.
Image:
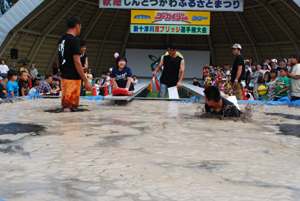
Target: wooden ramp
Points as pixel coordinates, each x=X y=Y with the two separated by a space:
x=137 y=89
x=197 y=91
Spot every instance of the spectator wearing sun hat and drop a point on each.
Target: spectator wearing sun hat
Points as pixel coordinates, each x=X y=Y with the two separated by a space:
x=238 y=71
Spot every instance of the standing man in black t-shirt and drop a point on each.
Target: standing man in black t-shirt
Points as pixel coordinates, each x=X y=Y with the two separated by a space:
x=173 y=63
x=70 y=66
x=238 y=71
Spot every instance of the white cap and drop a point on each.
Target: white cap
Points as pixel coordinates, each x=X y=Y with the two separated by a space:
x=274 y=61
x=110 y=69
x=236 y=46
x=1 y=78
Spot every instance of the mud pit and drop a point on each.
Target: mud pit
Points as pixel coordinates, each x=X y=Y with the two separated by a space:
x=146 y=150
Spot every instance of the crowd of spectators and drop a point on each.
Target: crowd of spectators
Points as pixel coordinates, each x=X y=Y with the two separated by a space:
x=279 y=80
x=22 y=83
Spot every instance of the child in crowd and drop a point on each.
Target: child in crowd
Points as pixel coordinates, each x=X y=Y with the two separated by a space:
x=32 y=91
x=102 y=83
x=134 y=80
x=219 y=78
x=272 y=85
x=283 y=84
x=205 y=73
x=12 y=85
x=108 y=80
x=23 y=84
x=223 y=73
x=3 y=93
x=222 y=85
x=195 y=82
x=207 y=81
x=249 y=96
x=97 y=85
x=266 y=84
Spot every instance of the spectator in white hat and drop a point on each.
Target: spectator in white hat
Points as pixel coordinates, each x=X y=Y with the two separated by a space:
x=274 y=64
x=238 y=71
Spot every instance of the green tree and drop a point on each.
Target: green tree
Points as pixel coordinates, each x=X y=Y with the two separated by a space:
x=5 y=5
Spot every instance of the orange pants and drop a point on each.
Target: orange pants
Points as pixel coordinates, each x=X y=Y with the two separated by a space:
x=70 y=93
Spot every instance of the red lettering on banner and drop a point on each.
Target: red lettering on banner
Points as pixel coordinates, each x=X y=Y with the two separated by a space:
x=106 y=2
x=160 y=16
x=177 y=29
x=156 y=29
x=117 y=2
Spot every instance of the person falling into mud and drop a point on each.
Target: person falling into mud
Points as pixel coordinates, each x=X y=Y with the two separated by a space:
x=215 y=104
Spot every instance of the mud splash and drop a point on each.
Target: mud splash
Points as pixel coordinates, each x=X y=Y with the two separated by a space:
x=245 y=117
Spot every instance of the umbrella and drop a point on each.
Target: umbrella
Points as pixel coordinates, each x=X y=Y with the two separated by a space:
x=23 y=61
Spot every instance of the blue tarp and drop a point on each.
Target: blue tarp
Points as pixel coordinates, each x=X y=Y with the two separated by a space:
x=282 y=101
x=92 y=98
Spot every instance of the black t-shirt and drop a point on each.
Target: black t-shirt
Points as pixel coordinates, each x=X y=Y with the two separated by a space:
x=68 y=46
x=170 y=73
x=196 y=84
x=228 y=109
x=55 y=70
x=82 y=59
x=1 y=89
x=239 y=61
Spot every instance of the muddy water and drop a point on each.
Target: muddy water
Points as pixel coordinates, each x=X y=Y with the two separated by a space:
x=146 y=150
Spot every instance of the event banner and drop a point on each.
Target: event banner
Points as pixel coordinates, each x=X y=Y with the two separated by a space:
x=169 y=29
x=197 y=5
x=170 y=17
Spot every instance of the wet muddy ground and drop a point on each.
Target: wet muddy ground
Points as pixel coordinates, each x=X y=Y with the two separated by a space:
x=146 y=150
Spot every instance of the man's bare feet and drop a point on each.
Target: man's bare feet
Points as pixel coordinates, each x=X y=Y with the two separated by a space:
x=67 y=110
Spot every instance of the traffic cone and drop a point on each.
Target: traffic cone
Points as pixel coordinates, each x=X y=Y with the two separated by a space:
x=105 y=91
x=94 y=91
x=244 y=94
x=30 y=82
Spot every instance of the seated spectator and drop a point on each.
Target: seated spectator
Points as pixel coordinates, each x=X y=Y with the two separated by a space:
x=38 y=79
x=32 y=91
x=195 y=82
x=134 y=80
x=23 y=84
x=108 y=81
x=283 y=84
x=57 y=84
x=215 y=104
x=54 y=85
x=3 y=93
x=12 y=85
x=44 y=87
x=4 y=83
